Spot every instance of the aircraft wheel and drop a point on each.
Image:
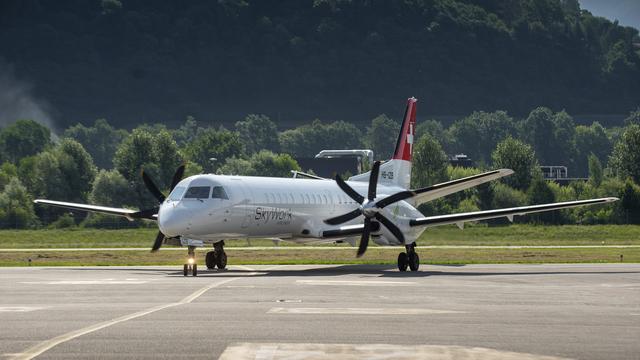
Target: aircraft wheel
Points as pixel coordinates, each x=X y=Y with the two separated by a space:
x=221 y=260
x=210 y=260
x=194 y=270
x=414 y=261
x=403 y=261
x=185 y=270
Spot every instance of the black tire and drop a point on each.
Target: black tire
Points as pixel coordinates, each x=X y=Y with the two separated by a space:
x=194 y=270
x=221 y=260
x=185 y=270
x=414 y=261
x=403 y=261
x=210 y=260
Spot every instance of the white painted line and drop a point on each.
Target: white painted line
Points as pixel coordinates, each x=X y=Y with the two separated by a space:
x=361 y=311
x=48 y=344
x=19 y=308
x=356 y=282
x=269 y=351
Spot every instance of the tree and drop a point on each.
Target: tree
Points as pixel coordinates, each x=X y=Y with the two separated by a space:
x=186 y=132
x=309 y=139
x=7 y=172
x=157 y=154
x=211 y=148
x=110 y=188
x=595 y=170
x=258 y=132
x=518 y=156
x=100 y=140
x=382 y=136
x=551 y=135
x=591 y=140
x=540 y=193
x=263 y=163
x=429 y=162
x=23 y=138
x=633 y=118
x=16 y=206
x=625 y=159
x=478 y=134
x=64 y=173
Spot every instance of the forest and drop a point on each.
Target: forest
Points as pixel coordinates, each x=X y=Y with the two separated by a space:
x=158 y=61
x=101 y=164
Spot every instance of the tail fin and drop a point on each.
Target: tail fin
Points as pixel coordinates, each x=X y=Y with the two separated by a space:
x=397 y=171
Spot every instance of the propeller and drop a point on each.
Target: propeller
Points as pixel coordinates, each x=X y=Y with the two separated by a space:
x=370 y=208
x=155 y=191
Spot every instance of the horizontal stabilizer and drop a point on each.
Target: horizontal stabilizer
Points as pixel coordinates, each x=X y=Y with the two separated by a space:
x=458 y=219
x=128 y=213
x=440 y=190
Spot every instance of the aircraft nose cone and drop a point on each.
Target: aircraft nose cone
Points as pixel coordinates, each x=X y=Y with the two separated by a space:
x=169 y=221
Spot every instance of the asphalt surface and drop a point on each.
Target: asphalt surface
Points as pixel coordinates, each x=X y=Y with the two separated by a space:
x=322 y=312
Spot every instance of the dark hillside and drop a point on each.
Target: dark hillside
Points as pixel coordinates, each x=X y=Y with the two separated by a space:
x=160 y=60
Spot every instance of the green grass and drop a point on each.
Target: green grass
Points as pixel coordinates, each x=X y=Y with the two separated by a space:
x=310 y=256
x=343 y=254
x=447 y=235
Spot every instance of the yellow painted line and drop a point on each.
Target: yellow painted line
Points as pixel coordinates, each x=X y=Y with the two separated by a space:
x=48 y=344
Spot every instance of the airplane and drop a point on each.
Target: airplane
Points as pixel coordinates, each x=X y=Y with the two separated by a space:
x=378 y=205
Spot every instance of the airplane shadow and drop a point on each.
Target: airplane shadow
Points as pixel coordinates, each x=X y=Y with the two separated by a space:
x=377 y=271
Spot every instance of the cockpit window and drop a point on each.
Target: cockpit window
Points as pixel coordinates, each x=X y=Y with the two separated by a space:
x=197 y=192
x=177 y=193
x=219 y=193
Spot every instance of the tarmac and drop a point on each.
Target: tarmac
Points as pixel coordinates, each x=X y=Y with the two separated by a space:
x=585 y=311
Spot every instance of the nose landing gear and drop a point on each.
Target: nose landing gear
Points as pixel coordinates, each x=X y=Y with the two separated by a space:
x=191 y=266
x=409 y=259
x=217 y=257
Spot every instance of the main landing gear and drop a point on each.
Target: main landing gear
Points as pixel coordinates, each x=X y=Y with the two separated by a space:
x=409 y=259
x=191 y=266
x=217 y=257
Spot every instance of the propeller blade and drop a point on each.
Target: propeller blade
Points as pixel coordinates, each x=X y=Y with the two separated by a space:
x=391 y=226
x=158 y=243
x=349 y=190
x=151 y=186
x=395 y=198
x=177 y=176
x=344 y=217
x=373 y=180
x=364 y=240
x=145 y=214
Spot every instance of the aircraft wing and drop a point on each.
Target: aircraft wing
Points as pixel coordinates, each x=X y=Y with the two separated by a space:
x=460 y=219
x=151 y=214
x=439 y=190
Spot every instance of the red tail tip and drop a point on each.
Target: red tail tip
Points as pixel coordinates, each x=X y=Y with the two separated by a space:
x=404 y=145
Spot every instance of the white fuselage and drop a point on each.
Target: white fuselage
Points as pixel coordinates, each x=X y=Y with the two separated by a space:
x=266 y=207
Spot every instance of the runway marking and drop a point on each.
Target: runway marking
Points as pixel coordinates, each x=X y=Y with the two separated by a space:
x=356 y=282
x=48 y=344
x=19 y=308
x=273 y=351
x=361 y=311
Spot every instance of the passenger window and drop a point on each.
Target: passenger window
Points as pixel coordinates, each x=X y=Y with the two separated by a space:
x=279 y=199
x=307 y=198
x=198 y=192
x=219 y=193
x=293 y=201
x=324 y=197
x=273 y=198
